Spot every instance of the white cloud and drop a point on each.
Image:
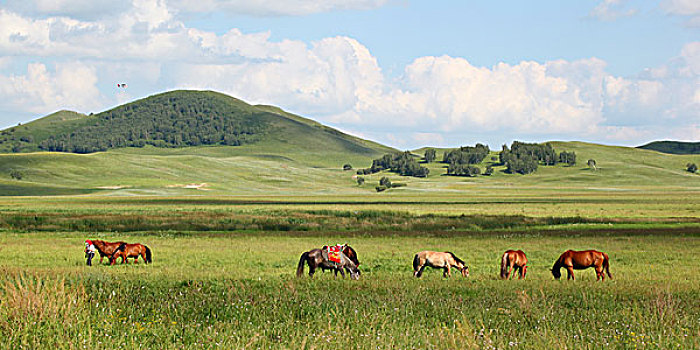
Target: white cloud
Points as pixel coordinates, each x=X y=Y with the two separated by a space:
x=67 y=86
x=274 y=7
x=688 y=8
x=78 y=9
x=609 y=10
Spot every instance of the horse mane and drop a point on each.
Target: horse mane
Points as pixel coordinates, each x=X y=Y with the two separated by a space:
x=456 y=258
x=122 y=247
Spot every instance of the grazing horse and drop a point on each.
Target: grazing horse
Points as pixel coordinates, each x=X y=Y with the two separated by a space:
x=126 y=250
x=318 y=258
x=579 y=260
x=106 y=249
x=438 y=260
x=513 y=259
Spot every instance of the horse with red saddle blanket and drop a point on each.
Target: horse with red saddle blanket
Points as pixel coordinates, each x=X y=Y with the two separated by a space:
x=339 y=258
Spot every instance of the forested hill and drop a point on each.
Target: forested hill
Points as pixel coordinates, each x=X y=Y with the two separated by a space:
x=673 y=147
x=172 y=120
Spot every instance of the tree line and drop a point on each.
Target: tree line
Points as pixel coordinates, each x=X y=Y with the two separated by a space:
x=162 y=121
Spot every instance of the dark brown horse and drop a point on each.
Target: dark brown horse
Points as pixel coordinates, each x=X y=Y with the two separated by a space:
x=513 y=259
x=106 y=249
x=316 y=258
x=135 y=250
x=580 y=260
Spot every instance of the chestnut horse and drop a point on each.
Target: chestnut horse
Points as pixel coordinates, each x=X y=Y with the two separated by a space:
x=438 y=260
x=579 y=260
x=106 y=249
x=316 y=259
x=513 y=259
x=126 y=250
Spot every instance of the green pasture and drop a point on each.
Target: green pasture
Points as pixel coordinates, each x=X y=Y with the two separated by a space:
x=238 y=290
x=292 y=165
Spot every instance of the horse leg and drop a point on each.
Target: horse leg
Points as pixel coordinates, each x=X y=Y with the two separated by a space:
x=510 y=270
x=599 y=273
x=446 y=272
x=419 y=273
x=342 y=273
x=521 y=272
x=570 y=273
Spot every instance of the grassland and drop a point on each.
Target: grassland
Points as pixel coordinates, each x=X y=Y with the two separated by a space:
x=238 y=290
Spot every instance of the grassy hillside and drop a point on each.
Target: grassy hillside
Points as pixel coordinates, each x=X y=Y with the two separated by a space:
x=178 y=119
x=297 y=165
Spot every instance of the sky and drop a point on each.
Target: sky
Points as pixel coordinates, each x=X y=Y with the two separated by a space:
x=405 y=73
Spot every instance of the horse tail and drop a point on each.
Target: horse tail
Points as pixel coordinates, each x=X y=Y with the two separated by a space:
x=302 y=261
x=416 y=262
x=149 y=258
x=606 y=264
x=504 y=265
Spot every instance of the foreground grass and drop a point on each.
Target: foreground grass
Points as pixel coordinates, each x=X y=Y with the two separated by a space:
x=239 y=291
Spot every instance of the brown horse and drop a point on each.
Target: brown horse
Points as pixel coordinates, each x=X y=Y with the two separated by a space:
x=106 y=249
x=579 y=260
x=438 y=260
x=126 y=250
x=316 y=258
x=513 y=259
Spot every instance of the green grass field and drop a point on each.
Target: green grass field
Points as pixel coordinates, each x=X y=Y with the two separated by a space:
x=207 y=290
x=227 y=226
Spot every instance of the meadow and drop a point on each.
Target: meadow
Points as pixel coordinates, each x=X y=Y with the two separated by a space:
x=227 y=226
x=236 y=288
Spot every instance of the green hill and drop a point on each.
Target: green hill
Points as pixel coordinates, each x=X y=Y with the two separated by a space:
x=284 y=154
x=673 y=147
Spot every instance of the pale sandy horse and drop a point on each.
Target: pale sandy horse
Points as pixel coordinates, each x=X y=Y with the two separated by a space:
x=438 y=260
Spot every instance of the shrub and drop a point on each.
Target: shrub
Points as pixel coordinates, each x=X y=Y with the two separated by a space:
x=347 y=167
x=16 y=174
x=692 y=167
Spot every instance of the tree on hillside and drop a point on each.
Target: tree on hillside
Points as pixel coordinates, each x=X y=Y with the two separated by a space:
x=16 y=174
x=568 y=158
x=404 y=164
x=592 y=164
x=489 y=170
x=360 y=180
x=692 y=167
x=429 y=155
x=347 y=167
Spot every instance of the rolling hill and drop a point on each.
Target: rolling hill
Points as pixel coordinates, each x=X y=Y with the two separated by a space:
x=673 y=147
x=285 y=155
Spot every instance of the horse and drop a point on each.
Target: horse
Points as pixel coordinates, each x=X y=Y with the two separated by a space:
x=579 y=260
x=106 y=249
x=126 y=250
x=513 y=259
x=438 y=260
x=316 y=258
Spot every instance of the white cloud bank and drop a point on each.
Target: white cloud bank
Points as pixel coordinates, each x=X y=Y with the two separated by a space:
x=73 y=63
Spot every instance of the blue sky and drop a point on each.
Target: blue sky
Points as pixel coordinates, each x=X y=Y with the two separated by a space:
x=404 y=73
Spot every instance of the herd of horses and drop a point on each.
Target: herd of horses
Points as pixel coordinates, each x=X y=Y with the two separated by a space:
x=123 y=250
x=511 y=261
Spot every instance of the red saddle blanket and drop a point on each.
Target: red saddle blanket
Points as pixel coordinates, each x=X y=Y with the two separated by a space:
x=334 y=252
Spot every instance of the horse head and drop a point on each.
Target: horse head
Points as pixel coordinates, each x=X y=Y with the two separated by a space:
x=556 y=273
x=465 y=271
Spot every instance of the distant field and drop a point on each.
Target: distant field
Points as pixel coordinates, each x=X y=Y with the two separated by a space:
x=277 y=168
x=238 y=290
